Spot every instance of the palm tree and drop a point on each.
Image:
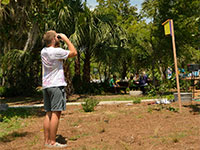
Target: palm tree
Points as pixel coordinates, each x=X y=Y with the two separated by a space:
x=91 y=35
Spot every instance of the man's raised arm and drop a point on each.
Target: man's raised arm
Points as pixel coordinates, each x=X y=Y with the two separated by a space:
x=72 y=49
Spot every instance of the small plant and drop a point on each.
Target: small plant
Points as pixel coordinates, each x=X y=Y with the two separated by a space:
x=175 y=140
x=150 y=109
x=89 y=104
x=170 y=108
x=137 y=101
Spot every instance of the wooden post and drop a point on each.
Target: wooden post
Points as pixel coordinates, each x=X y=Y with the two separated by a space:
x=176 y=68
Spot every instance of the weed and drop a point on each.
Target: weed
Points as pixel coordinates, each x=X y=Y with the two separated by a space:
x=150 y=109
x=74 y=138
x=89 y=104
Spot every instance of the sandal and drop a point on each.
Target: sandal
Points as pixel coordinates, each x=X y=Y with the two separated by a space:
x=57 y=145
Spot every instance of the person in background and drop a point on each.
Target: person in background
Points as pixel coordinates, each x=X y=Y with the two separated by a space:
x=133 y=83
x=53 y=83
x=143 y=82
x=113 y=83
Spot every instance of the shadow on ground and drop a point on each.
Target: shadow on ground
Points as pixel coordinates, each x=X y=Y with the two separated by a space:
x=22 y=100
x=61 y=139
x=194 y=108
x=21 y=112
x=12 y=136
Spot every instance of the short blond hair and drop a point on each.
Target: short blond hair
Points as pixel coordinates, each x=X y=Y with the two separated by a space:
x=48 y=37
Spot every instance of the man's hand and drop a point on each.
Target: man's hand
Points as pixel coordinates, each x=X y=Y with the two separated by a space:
x=72 y=49
x=61 y=36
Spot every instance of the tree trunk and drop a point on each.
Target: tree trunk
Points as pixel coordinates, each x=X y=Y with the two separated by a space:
x=124 y=69
x=161 y=72
x=3 y=81
x=77 y=65
x=69 y=88
x=153 y=72
x=32 y=37
x=77 y=83
x=7 y=46
x=99 y=71
x=153 y=67
x=86 y=68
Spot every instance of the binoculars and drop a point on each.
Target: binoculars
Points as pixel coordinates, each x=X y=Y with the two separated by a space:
x=59 y=37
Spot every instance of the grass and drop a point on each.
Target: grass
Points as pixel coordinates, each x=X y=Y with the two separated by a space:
x=123 y=97
x=34 y=141
x=12 y=120
x=137 y=101
x=175 y=137
x=76 y=137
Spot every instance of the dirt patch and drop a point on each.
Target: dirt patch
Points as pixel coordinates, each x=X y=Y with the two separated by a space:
x=117 y=127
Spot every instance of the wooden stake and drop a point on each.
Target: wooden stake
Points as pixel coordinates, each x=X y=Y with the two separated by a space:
x=176 y=68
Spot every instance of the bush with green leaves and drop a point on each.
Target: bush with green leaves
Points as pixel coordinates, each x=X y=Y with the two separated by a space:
x=89 y=104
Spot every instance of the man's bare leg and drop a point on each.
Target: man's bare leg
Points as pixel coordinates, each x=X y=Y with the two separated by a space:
x=55 y=117
x=47 y=120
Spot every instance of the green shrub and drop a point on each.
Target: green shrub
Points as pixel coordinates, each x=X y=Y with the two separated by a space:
x=152 y=91
x=170 y=97
x=21 y=71
x=137 y=101
x=170 y=108
x=2 y=91
x=89 y=104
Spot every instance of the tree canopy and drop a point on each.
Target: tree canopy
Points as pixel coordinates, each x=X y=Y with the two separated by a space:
x=114 y=38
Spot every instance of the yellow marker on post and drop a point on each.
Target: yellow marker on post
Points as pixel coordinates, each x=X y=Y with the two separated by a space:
x=169 y=30
x=168 y=27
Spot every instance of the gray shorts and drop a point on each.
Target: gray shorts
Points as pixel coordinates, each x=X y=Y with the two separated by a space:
x=54 y=99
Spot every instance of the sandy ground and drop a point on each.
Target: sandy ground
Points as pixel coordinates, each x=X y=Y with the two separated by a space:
x=116 y=127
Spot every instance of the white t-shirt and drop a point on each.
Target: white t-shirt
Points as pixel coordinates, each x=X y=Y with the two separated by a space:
x=52 y=67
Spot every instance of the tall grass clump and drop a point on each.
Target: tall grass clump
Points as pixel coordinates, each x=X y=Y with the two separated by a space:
x=89 y=104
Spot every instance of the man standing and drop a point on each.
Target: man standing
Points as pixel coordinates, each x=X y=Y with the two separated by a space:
x=53 y=83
